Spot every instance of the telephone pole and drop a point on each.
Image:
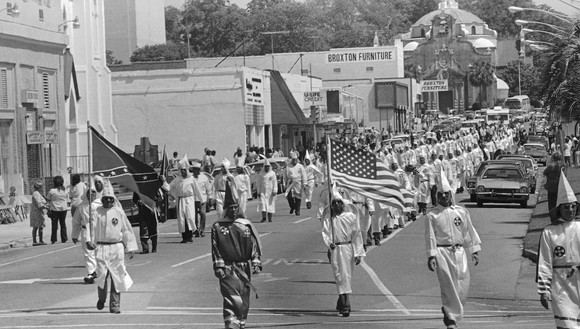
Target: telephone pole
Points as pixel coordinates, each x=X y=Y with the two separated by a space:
x=271 y=34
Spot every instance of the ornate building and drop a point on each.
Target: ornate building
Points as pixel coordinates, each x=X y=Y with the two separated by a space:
x=442 y=48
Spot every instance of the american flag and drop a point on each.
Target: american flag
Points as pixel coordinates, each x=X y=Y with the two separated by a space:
x=362 y=172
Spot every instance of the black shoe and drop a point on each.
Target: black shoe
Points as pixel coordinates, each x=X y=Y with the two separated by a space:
x=115 y=311
x=190 y=240
x=202 y=234
x=297 y=212
x=100 y=305
x=94 y=275
x=389 y=231
x=89 y=279
x=346 y=312
x=308 y=205
x=196 y=234
x=183 y=241
x=144 y=252
x=270 y=220
x=263 y=220
x=154 y=251
x=377 y=242
x=291 y=211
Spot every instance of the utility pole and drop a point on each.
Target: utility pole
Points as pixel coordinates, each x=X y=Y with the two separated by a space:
x=271 y=34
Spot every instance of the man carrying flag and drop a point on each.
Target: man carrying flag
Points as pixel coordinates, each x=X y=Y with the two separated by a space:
x=185 y=190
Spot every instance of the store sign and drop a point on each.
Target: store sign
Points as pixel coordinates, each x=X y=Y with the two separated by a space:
x=360 y=56
x=34 y=137
x=51 y=137
x=313 y=98
x=434 y=85
x=29 y=96
x=253 y=89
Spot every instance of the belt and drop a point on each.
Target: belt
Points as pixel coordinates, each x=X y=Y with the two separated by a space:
x=108 y=243
x=571 y=267
x=356 y=202
x=221 y=190
x=343 y=243
x=454 y=247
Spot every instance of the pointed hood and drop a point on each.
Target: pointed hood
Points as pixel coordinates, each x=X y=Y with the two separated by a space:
x=565 y=192
x=226 y=163
x=183 y=163
x=231 y=198
x=267 y=163
x=307 y=156
x=444 y=186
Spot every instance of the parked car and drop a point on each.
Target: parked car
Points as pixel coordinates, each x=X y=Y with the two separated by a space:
x=537 y=151
x=531 y=167
x=125 y=197
x=472 y=181
x=278 y=165
x=502 y=184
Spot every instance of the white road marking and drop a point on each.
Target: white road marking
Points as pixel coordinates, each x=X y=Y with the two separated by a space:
x=302 y=220
x=384 y=289
x=39 y=255
x=191 y=260
x=31 y=281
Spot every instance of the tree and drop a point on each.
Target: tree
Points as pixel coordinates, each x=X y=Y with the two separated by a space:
x=481 y=74
x=111 y=60
x=173 y=18
x=160 y=52
x=518 y=72
x=560 y=77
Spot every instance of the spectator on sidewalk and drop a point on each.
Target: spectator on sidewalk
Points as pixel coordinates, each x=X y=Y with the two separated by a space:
x=552 y=173
x=559 y=255
x=38 y=211
x=77 y=191
x=58 y=205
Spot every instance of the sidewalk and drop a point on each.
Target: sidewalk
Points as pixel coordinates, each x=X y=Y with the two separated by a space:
x=540 y=218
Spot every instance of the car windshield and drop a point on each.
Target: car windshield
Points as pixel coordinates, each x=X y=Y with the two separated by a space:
x=513 y=104
x=532 y=148
x=507 y=174
x=526 y=161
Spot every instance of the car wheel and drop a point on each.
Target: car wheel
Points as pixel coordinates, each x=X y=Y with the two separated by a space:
x=472 y=197
x=479 y=203
x=524 y=204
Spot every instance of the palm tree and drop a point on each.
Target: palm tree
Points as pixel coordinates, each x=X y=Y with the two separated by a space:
x=481 y=74
x=560 y=77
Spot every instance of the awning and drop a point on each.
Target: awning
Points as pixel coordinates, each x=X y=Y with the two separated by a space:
x=285 y=109
x=502 y=89
x=70 y=72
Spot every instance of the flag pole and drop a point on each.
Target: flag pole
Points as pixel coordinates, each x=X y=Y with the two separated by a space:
x=165 y=194
x=329 y=180
x=90 y=164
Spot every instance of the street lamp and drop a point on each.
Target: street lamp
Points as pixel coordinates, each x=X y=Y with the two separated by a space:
x=271 y=34
x=520 y=22
x=514 y=9
x=188 y=47
x=11 y=10
x=76 y=23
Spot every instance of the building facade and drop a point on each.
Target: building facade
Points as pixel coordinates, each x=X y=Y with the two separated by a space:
x=32 y=112
x=88 y=95
x=441 y=49
x=131 y=24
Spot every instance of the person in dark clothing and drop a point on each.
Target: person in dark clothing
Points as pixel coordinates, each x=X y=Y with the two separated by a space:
x=552 y=173
x=147 y=225
x=236 y=252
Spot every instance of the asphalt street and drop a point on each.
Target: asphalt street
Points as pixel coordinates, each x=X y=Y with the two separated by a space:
x=175 y=288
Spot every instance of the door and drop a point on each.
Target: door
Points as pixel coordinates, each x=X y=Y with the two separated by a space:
x=445 y=101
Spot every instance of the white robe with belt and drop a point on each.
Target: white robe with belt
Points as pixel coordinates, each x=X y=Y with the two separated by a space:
x=113 y=236
x=186 y=192
x=558 y=272
x=267 y=189
x=445 y=229
x=344 y=228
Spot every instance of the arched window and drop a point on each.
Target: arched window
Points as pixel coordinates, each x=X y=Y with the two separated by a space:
x=473 y=31
x=422 y=33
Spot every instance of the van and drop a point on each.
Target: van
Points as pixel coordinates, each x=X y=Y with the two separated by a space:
x=519 y=102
